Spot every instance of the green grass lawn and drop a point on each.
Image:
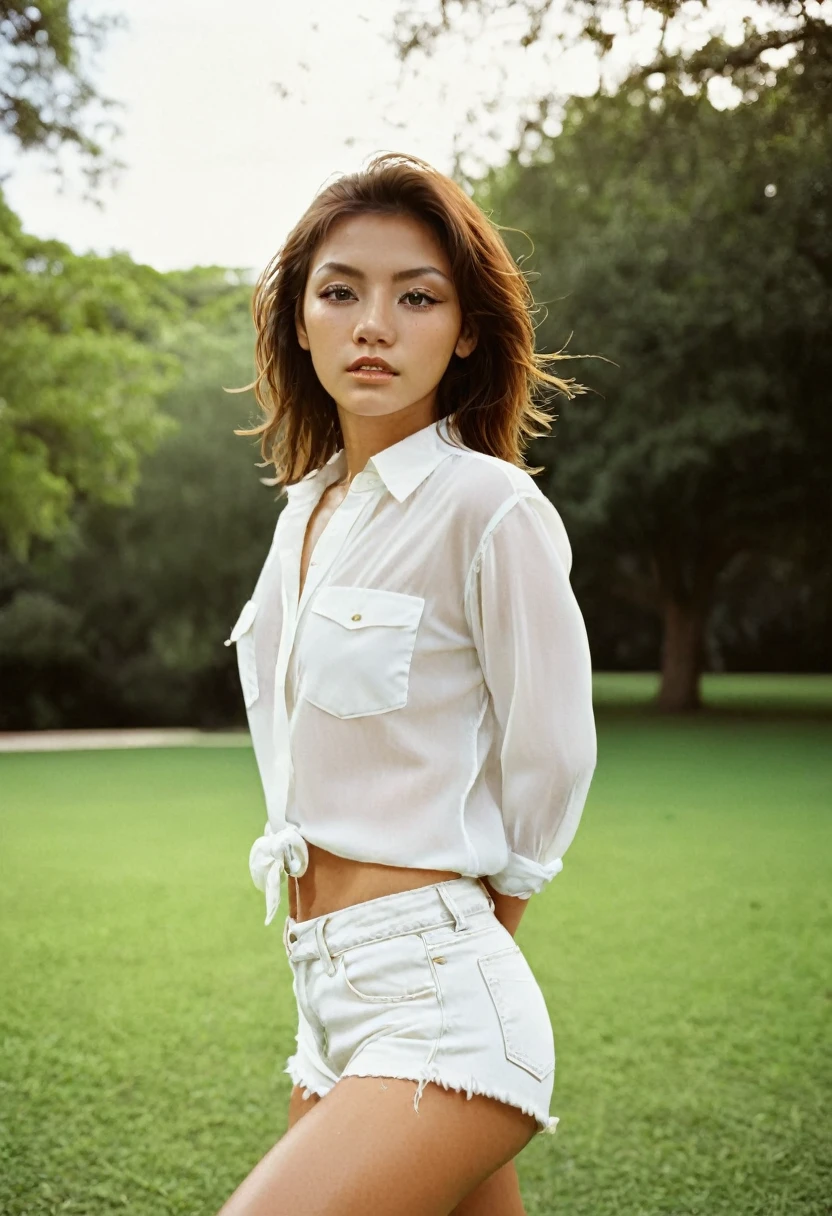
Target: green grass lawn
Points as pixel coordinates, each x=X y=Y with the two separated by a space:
x=684 y=954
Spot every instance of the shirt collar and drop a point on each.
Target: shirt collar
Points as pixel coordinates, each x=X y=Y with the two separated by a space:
x=402 y=467
x=314 y=483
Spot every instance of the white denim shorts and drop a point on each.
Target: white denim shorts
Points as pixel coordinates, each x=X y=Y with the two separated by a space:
x=424 y=985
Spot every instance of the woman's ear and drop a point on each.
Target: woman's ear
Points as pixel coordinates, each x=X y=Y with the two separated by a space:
x=467 y=340
x=300 y=329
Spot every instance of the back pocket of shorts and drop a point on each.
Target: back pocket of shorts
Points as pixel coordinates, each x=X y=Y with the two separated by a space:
x=521 y=1010
x=397 y=969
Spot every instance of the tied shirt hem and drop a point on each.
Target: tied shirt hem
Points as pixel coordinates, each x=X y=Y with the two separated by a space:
x=275 y=853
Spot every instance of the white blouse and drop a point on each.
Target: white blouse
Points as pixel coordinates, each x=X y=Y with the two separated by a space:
x=427 y=702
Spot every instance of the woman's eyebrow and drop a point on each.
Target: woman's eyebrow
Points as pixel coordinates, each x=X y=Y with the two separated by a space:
x=355 y=273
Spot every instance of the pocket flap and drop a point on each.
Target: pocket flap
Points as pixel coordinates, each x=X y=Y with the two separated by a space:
x=355 y=607
x=244 y=622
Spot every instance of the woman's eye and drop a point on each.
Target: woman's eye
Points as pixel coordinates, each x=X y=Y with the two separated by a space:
x=415 y=299
x=421 y=295
x=330 y=292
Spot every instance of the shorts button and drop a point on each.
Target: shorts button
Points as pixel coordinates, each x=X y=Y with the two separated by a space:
x=356 y=616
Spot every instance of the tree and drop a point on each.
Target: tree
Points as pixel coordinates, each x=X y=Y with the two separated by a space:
x=47 y=100
x=691 y=246
x=693 y=45
x=81 y=369
x=121 y=621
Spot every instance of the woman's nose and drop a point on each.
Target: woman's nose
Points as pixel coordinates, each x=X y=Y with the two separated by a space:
x=375 y=325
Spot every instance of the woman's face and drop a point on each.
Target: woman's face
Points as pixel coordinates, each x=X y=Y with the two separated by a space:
x=380 y=287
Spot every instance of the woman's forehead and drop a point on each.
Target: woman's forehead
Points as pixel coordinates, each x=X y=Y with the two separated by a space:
x=382 y=245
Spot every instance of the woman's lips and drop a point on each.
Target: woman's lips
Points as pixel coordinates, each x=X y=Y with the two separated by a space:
x=376 y=375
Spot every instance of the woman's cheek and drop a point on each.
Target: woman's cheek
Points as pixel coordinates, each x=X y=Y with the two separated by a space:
x=322 y=323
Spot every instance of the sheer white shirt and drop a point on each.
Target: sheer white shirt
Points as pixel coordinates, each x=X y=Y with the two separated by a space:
x=427 y=700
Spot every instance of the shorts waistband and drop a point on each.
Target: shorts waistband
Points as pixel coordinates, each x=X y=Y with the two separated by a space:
x=422 y=908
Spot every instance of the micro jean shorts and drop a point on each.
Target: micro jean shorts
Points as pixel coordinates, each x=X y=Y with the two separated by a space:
x=424 y=985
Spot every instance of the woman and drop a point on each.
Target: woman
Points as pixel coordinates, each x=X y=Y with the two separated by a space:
x=417 y=680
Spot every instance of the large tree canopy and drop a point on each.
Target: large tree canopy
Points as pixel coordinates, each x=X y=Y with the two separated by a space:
x=695 y=44
x=692 y=247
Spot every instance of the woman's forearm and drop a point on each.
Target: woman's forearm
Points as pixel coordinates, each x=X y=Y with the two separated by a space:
x=507 y=908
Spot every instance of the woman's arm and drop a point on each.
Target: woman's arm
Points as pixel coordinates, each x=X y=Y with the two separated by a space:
x=534 y=653
x=507 y=908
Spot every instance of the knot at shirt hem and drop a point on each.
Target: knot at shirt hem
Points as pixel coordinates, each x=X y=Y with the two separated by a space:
x=273 y=854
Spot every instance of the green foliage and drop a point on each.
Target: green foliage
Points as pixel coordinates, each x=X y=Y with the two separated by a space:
x=47 y=101
x=154 y=588
x=689 y=46
x=691 y=247
x=81 y=370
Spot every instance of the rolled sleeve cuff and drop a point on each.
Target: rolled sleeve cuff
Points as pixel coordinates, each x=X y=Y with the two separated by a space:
x=523 y=878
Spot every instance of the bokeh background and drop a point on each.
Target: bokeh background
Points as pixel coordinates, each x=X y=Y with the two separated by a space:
x=663 y=173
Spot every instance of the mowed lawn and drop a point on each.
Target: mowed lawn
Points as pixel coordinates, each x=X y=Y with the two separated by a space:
x=684 y=952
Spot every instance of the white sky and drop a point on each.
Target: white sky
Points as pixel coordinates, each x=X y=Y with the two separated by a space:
x=220 y=165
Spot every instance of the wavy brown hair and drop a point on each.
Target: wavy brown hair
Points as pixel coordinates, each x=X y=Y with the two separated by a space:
x=487 y=397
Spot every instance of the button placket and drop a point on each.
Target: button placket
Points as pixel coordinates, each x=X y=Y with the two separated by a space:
x=327 y=548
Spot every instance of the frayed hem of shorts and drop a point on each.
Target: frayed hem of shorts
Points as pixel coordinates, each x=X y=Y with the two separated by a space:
x=547 y=1125
x=299 y=1080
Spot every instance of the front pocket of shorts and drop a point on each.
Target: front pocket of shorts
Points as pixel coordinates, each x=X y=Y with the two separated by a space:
x=357 y=650
x=386 y=972
x=521 y=1010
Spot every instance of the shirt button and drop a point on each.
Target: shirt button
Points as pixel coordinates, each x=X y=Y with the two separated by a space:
x=356 y=616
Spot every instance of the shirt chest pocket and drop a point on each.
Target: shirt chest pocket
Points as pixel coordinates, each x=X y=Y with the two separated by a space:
x=242 y=635
x=358 y=648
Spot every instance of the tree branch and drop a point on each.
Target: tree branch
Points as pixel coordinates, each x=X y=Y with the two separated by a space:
x=716 y=56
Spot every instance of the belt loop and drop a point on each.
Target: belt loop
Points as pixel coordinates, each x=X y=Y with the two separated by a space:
x=487 y=894
x=326 y=957
x=448 y=900
x=286 y=930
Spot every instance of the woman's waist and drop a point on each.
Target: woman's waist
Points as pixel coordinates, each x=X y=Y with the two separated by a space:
x=331 y=882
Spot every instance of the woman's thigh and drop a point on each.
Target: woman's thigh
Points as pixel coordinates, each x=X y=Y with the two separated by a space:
x=498 y=1195
x=365 y=1149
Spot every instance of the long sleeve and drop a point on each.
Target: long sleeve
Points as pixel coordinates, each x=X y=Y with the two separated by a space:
x=534 y=653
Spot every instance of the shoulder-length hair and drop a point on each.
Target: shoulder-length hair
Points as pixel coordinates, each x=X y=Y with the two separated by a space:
x=486 y=397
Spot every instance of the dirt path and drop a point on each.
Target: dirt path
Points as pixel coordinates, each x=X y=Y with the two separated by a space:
x=97 y=740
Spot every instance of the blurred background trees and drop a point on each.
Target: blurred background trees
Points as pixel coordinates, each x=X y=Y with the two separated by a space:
x=691 y=246
x=81 y=367
x=120 y=620
x=47 y=100
x=688 y=245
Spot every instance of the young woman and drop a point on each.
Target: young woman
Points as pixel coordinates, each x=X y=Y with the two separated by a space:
x=417 y=681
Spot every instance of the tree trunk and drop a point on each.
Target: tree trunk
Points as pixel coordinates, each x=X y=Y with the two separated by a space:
x=682 y=655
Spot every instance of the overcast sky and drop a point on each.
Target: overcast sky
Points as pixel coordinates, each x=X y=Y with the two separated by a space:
x=220 y=163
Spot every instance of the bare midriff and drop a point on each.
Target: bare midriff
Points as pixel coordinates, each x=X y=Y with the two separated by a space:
x=331 y=883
